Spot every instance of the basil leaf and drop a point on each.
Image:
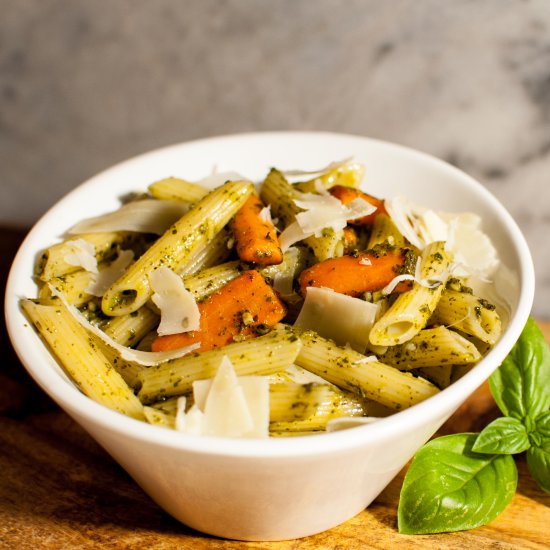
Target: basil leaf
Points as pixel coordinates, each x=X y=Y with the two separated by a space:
x=542 y=423
x=505 y=435
x=521 y=384
x=538 y=462
x=448 y=487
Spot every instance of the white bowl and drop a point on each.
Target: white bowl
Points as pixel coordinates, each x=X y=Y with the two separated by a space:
x=281 y=488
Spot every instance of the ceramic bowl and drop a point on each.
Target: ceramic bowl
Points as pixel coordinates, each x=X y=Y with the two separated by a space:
x=279 y=488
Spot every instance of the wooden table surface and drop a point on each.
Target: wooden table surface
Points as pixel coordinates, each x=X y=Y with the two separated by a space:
x=59 y=489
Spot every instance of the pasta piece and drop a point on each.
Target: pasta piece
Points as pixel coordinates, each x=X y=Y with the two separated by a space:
x=385 y=232
x=309 y=406
x=53 y=262
x=213 y=253
x=207 y=281
x=440 y=376
x=81 y=358
x=410 y=312
x=470 y=314
x=159 y=418
x=130 y=329
x=177 y=189
x=73 y=286
x=263 y=355
x=365 y=376
x=174 y=249
x=432 y=347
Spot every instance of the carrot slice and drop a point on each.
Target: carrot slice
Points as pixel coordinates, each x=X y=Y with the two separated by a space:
x=350 y=239
x=256 y=239
x=347 y=194
x=354 y=275
x=245 y=307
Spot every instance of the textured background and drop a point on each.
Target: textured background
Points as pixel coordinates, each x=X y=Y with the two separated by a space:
x=86 y=84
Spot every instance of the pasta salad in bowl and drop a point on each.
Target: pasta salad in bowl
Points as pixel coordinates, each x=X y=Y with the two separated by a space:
x=245 y=323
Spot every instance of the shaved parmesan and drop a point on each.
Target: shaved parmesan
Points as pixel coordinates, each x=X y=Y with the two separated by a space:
x=265 y=214
x=219 y=178
x=179 y=311
x=321 y=211
x=473 y=251
x=229 y=405
x=332 y=166
x=82 y=255
x=344 y=319
x=145 y=358
x=143 y=216
x=108 y=275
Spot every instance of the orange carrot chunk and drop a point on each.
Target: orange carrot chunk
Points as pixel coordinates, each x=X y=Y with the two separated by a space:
x=256 y=239
x=347 y=194
x=354 y=275
x=245 y=307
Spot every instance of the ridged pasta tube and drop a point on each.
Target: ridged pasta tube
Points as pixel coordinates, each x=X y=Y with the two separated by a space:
x=410 y=312
x=264 y=355
x=433 y=347
x=82 y=358
x=173 y=249
x=176 y=189
x=470 y=314
x=352 y=371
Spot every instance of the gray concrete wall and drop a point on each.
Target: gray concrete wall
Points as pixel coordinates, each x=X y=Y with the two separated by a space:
x=85 y=84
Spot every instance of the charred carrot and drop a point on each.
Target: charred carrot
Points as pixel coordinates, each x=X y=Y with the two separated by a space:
x=348 y=194
x=354 y=275
x=255 y=237
x=245 y=307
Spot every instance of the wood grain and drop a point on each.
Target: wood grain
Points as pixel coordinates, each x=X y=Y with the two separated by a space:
x=59 y=489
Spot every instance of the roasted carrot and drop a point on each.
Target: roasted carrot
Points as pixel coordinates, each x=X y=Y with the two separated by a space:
x=256 y=239
x=350 y=239
x=354 y=275
x=348 y=194
x=245 y=307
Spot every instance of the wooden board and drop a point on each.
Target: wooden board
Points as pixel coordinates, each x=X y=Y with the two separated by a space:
x=59 y=489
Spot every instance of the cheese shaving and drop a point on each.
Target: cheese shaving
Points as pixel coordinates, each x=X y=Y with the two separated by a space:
x=108 y=275
x=265 y=214
x=228 y=405
x=321 y=171
x=321 y=211
x=145 y=358
x=219 y=178
x=355 y=317
x=82 y=255
x=143 y=216
x=179 y=311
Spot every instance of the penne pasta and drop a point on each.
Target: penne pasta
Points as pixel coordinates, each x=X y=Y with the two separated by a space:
x=263 y=355
x=130 y=329
x=53 y=262
x=176 y=189
x=470 y=314
x=385 y=232
x=433 y=347
x=174 y=249
x=410 y=312
x=352 y=371
x=82 y=359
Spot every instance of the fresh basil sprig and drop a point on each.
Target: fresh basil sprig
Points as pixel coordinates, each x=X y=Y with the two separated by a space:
x=463 y=481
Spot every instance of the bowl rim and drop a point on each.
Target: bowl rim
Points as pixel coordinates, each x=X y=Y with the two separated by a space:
x=81 y=407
